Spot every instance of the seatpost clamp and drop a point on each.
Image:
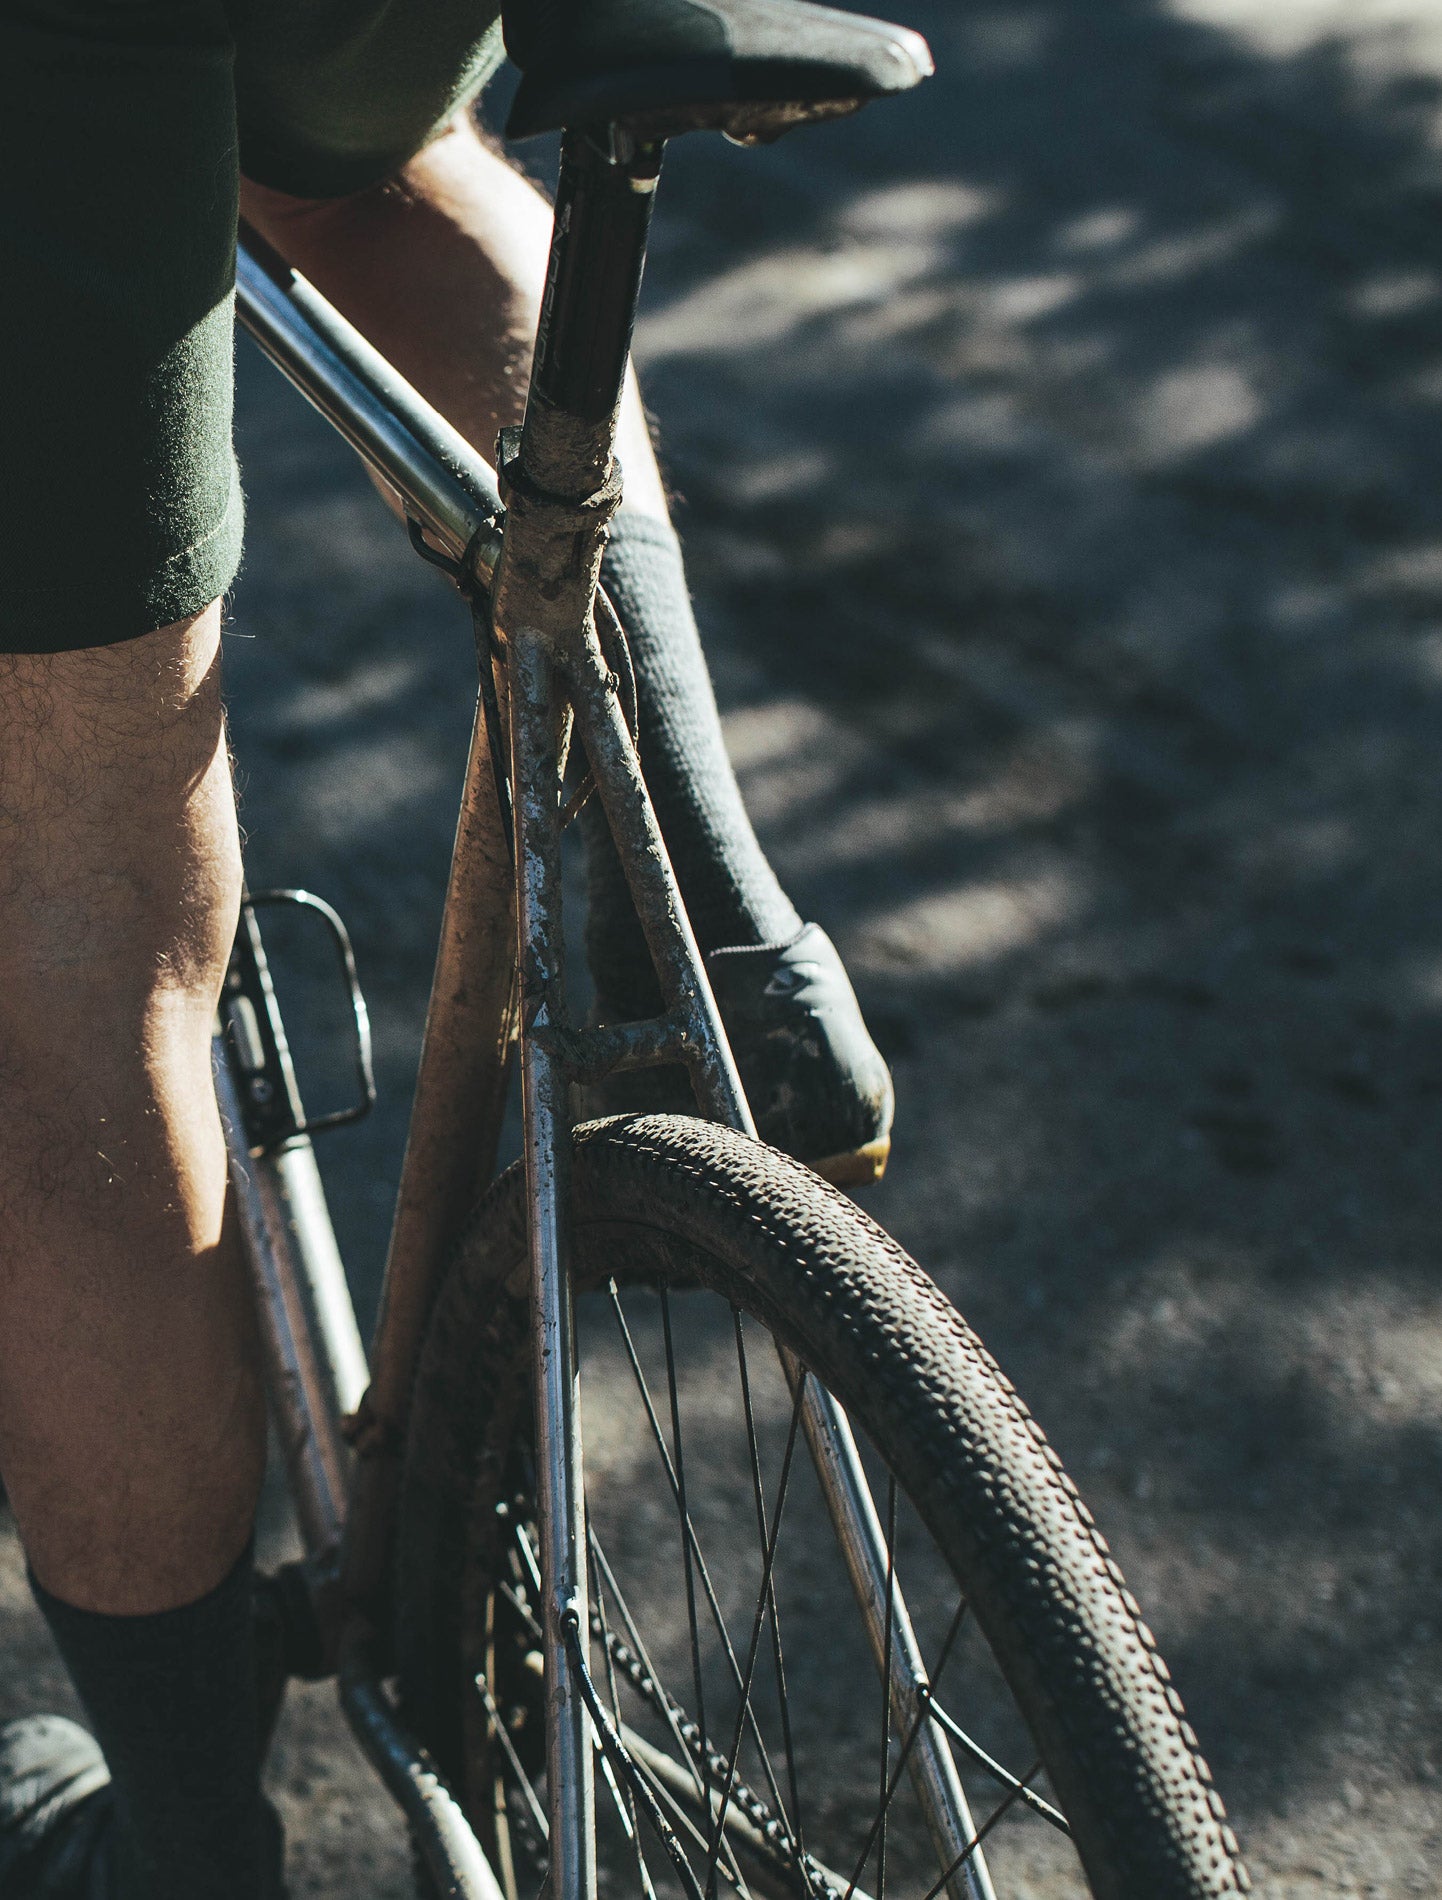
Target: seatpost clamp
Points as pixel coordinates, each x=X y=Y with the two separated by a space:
x=550 y=551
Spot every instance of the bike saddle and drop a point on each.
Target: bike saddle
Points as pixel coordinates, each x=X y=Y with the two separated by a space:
x=752 y=68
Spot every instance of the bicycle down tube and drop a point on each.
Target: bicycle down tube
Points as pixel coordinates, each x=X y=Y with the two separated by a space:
x=560 y=486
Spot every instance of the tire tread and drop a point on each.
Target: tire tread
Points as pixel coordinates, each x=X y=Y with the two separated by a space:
x=840 y=1292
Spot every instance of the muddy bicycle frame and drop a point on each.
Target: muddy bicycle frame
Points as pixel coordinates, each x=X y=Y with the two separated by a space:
x=525 y=551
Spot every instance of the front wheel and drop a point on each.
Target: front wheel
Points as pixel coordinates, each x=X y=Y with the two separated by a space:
x=726 y=1645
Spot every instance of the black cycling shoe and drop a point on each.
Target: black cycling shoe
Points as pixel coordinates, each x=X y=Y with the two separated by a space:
x=815 y=1080
x=749 y=66
x=55 y=1813
x=58 y=1839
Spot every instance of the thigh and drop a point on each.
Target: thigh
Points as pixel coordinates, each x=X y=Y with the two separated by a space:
x=119 y=503
x=335 y=95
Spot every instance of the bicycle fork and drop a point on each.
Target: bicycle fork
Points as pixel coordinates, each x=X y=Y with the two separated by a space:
x=561 y=486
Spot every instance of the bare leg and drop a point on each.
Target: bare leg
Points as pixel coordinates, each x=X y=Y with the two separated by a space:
x=442 y=269
x=131 y=1418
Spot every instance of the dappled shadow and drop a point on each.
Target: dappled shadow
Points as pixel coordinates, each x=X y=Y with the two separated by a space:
x=1096 y=480
x=1063 y=486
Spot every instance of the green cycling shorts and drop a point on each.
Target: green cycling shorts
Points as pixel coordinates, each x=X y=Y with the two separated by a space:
x=126 y=126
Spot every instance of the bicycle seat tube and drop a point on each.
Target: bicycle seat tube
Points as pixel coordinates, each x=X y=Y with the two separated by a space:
x=561 y=485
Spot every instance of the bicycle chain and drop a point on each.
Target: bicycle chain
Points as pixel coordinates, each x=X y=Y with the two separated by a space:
x=715 y=1769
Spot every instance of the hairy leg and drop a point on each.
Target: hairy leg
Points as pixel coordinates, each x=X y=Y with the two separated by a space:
x=442 y=269
x=131 y=1417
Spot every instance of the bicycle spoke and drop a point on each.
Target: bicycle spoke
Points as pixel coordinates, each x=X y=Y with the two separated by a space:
x=637 y=1642
x=686 y=1534
x=603 y=1569
x=994 y=1768
x=886 y=1680
x=982 y=1832
x=610 y=1740
x=633 y=1829
x=659 y=1789
x=755 y=1823
x=623 y=1804
x=766 y=1614
x=794 y=1824
x=529 y=1558
x=689 y=1531
x=717 y=1778
x=935 y=1676
x=508 y=1748
x=760 y=1617
x=522 y=1610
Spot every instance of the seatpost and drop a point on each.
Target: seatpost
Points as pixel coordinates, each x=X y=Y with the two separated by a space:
x=603 y=214
x=558 y=470
x=561 y=486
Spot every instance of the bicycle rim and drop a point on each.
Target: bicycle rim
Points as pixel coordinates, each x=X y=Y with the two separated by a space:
x=745 y=1745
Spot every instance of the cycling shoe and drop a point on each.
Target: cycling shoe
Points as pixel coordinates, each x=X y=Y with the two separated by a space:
x=55 y=1813
x=815 y=1080
x=58 y=1839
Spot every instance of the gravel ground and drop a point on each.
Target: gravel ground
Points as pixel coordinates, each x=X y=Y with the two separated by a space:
x=1060 y=465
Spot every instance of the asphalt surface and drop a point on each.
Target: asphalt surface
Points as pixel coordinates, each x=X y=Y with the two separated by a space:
x=1060 y=474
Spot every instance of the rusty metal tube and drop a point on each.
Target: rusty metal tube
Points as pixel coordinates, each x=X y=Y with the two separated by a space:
x=438 y=1825
x=308 y=1389
x=450 y=1152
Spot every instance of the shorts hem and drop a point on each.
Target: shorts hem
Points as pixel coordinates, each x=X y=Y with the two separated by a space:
x=281 y=157
x=300 y=171
x=45 y=619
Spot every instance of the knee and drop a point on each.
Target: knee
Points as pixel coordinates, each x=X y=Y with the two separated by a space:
x=105 y=1060
x=118 y=978
x=121 y=862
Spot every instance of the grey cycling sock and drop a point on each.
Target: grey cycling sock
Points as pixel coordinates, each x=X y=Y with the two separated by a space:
x=171 y=1700
x=730 y=890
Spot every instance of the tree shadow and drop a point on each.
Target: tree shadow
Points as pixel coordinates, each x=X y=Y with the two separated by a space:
x=1061 y=465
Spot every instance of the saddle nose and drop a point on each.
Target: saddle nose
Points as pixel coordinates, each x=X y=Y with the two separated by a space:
x=749 y=67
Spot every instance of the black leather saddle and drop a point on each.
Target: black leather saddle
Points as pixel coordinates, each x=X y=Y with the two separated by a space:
x=752 y=68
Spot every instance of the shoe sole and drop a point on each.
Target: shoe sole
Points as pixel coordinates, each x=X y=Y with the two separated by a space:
x=859 y=1167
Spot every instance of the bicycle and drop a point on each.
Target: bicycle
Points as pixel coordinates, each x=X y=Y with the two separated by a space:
x=573 y=1707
